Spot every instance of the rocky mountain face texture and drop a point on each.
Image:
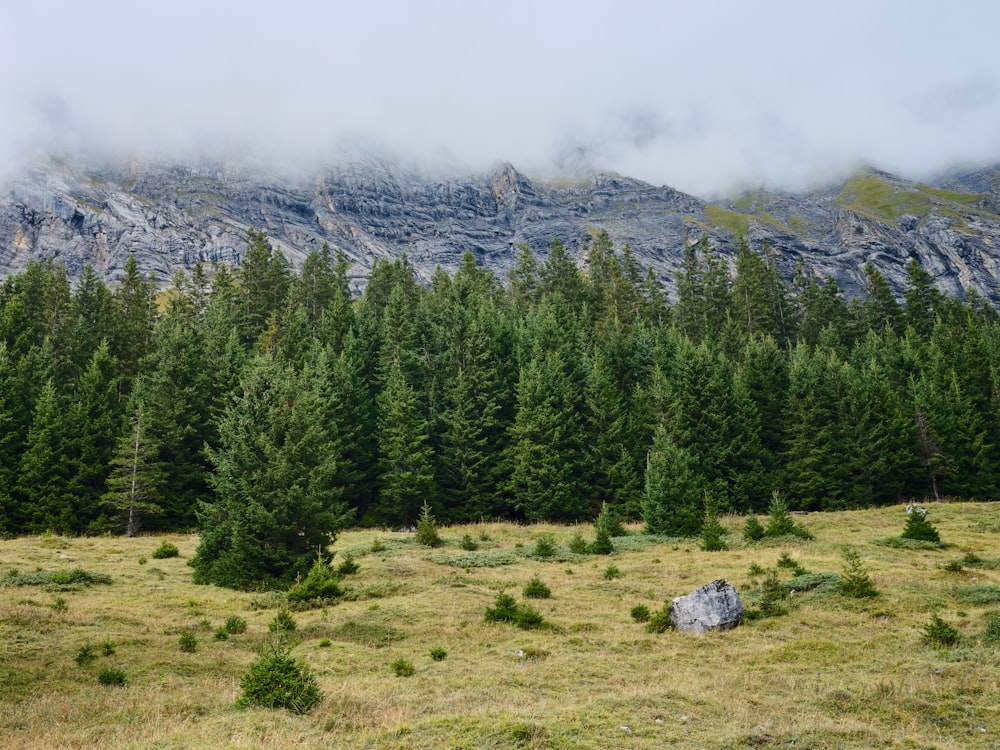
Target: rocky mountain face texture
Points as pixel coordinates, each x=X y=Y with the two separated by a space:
x=172 y=216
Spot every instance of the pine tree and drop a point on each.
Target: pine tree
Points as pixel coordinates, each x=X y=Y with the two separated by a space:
x=40 y=492
x=406 y=469
x=276 y=505
x=134 y=484
x=672 y=501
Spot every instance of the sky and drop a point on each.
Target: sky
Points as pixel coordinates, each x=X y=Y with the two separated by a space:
x=705 y=97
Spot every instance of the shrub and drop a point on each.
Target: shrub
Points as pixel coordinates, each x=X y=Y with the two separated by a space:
x=325 y=643
x=991 y=633
x=786 y=561
x=438 y=654
x=142 y=560
x=577 y=544
x=165 y=550
x=981 y=595
x=611 y=572
x=535 y=589
x=468 y=543
x=939 y=633
x=112 y=677
x=188 y=643
x=506 y=609
x=602 y=544
x=378 y=545
x=753 y=530
x=427 y=531
x=283 y=622
x=659 y=621
x=771 y=596
x=276 y=680
x=856 y=581
x=918 y=527
x=712 y=532
x=402 y=667
x=235 y=625
x=221 y=634
x=640 y=613
x=608 y=521
x=780 y=523
x=348 y=566
x=545 y=546
x=108 y=648
x=56 y=580
x=319 y=586
x=59 y=605
x=85 y=656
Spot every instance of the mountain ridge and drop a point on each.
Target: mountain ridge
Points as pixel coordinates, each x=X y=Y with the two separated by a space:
x=172 y=215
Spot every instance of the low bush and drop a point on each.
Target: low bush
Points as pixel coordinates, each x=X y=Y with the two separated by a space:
x=188 y=643
x=283 y=622
x=506 y=609
x=640 y=613
x=535 y=589
x=856 y=582
x=577 y=544
x=402 y=667
x=276 y=680
x=468 y=543
x=753 y=529
x=611 y=573
x=348 y=566
x=318 y=588
x=786 y=562
x=165 y=550
x=427 y=531
x=85 y=656
x=981 y=595
x=56 y=580
x=545 y=546
x=659 y=621
x=112 y=677
x=235 y=625
x=918 y=527
x=939 y=633
x=438 y=654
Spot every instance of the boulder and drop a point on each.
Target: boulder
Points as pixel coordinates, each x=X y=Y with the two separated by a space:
x=714 y=606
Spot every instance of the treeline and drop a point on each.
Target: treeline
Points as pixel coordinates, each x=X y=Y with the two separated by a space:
x=538 y=396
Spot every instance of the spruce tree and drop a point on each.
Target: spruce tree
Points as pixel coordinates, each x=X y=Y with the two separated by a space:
x=276 y=505
x=672 y=501
x=40 y=492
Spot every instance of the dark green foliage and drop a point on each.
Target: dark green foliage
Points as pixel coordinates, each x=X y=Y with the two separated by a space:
x=276 y=680
x=438 y=653
x=856 y=582
x=235 y=625
x=937 y=632
x=713 y=533
x=188 y=643
x=772 y=595
x=659 y=621
x=545 y=546
x=348 y=566
x=980 y=595
x=785 y=561
x=319 y=587
x=506 y=609
x=427 y=533
x=86 y=655
x=221 y=634
x=283 y=622
x=640 y=613
x=611 y=573
x=108 y=648
x=602 y=544
x=56 y=580
x=991 y=632
x=402 y=667
x=918 y=527
x=780 y=523
x=535 y=589
x=829 y=582
x=577 y=544
x=468 y=543
x=753 y=529
x=165 y=550
x=112 y=677
x=276 y=502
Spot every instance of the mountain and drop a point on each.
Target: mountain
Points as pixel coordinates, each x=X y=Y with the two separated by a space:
x=170 y=216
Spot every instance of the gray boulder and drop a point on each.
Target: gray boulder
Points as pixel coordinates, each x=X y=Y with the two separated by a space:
x=714 y=606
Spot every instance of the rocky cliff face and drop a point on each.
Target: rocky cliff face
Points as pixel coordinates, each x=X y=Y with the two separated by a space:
x=172 y=216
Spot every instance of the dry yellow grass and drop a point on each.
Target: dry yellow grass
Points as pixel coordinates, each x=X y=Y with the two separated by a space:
x=832 y=673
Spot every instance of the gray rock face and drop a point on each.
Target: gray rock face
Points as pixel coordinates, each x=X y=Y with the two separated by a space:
x=714 y=606
x=172 y=216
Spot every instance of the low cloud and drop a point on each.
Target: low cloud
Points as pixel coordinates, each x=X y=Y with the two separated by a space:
x=780 y=93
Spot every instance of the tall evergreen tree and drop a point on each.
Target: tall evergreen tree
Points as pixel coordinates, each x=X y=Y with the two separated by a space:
x=43 y=504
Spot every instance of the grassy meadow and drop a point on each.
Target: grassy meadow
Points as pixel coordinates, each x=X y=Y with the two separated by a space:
x=833 y=672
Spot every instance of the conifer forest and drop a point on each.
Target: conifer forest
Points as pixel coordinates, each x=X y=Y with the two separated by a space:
x=270 y=408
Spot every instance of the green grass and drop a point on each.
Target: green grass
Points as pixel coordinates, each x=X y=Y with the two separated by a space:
x=831 y=672
x=873 y=196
